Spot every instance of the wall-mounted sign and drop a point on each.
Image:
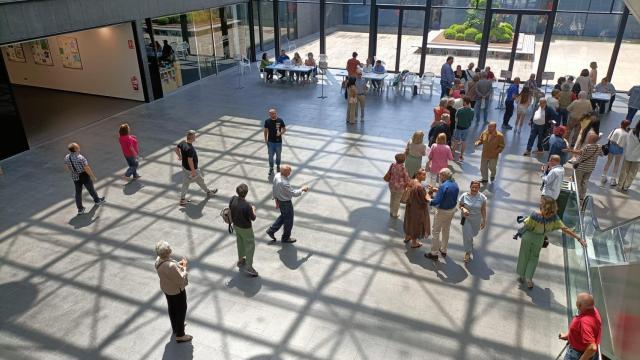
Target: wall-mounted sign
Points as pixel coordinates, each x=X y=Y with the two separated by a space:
x=14 y=52
x=69 y=52
x=41 y=52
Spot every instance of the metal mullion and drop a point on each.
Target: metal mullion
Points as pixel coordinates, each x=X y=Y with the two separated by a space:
x=546 y=43
x=616 y=47
x=252 y=35
x=399 y=39
x=260 y=30
x=276 y=28
x=484 y=44
x=373 y=29
x=514 y=46
x=425 y=36
x=403 y=7
x=323 y=35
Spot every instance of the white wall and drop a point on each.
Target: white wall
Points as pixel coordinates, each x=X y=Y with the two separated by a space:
x=107 y=65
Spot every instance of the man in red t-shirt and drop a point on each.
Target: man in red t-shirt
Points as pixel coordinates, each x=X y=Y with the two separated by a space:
x=584 y=332
x=352 y=65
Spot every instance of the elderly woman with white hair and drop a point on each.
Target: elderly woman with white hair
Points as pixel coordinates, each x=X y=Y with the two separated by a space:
x=577 y=109
x=173 y=280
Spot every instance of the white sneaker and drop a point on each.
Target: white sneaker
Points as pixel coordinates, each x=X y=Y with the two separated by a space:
x=613 y=182
x=603 y=180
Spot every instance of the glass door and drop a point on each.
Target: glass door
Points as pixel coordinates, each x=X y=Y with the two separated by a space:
x=399 y=38
x=388 y=39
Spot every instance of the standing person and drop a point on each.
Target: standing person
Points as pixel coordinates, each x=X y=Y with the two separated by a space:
x=440 y=109
x=470 y=73
x=439 y=157
x=242 y=214
x=617 y=139
x=577 y=110
x=439 y=127
x=484 y=91
x=471 y=92
x=82 y=175
x=558 y=144
x=473 y=205
x=446 y=77
x=168 y=54
x=634 y=102
x=492 y=142
x=415 y=150
x=564 y=100
x=274 y=128
x=283 y=193
x=605 y=87
x=558 y=85
x=552 y=176
x=460 y=74
x=352 y=104
x=586 y=163
x=464 y=117
x=189 y=157
x=524 y=101
x=361 y=88
x=593 y=73
x=584 y=82
x=130 y=150
x=398 y=179
x=631 y=161
x=532 y=84
x=490 y=75
x=353 y=64
x=173 y=282
x=553 y=100
x=416 y=215
x=585 y=331
x=512 y=92
x=540 y=123
x=536 y=226
x=264 y=62
x=445 y=202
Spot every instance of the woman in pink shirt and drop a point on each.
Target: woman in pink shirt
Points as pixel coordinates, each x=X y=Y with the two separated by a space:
x=398 y=178
x=129 y=145
x=439 y=157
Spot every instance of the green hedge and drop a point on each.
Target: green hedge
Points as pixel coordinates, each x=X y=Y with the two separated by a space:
x=470 y=34
x=460 y=37
x=478 y=38
x=449 y=34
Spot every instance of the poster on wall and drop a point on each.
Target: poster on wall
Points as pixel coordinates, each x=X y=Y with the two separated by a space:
x=69 y=52
x=15 y=52
x=41 y=52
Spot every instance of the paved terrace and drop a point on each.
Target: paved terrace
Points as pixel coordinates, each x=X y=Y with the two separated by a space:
x=85 y=287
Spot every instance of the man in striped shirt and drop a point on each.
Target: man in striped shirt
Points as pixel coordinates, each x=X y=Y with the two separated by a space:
x=82 y=175
x=587 y=158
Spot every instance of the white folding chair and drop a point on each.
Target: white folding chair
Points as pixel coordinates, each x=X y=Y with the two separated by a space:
x=245 y=64
x=410 y=79
x=426 y=81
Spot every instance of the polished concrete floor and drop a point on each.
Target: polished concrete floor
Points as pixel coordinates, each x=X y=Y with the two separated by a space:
x=84 y=287
x=49 y=114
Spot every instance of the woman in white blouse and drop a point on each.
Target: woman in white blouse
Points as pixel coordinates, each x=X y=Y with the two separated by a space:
x=473 y=205
x=173 y=280
x=617 y=140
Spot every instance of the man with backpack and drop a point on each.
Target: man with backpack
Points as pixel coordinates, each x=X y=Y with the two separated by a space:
x=242 y=213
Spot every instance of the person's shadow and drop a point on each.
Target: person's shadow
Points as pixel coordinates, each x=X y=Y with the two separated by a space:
x=249 y=286
x=194 y=211
x=132 y=187
x=84 y=220
x=451 y=272
x=289 y=256
x=417 y=257
x=478 y=267
x=25 y=291
x=175 y=351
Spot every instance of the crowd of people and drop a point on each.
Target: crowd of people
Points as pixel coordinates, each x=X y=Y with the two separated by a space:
x=565 y=124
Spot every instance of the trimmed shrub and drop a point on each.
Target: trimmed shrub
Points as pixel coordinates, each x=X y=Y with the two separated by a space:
x=506 y=26
x=478 y=39
x=458 y=28
x=449 y=34
x=506 y=37
x=460 y=37
x=162 y=21
x=470 y=34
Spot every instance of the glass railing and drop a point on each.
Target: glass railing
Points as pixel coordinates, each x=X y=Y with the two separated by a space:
x=611 y=256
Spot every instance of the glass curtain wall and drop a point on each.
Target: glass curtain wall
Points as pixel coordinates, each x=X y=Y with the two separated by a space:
x=387 y=39
x=263 y=26
x=300 y=28
x=183 y=48
x=347 y=30
x=626 y=70
x=410 y=49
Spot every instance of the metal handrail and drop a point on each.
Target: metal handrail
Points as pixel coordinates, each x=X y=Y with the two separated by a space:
x=615 y=227
x=582 y=234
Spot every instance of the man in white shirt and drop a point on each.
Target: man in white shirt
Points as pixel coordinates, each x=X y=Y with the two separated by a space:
x=540 y=124
x=283 y=193
x=552 y=179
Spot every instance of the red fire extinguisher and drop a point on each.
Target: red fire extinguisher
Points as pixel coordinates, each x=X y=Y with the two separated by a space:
x=134 y=83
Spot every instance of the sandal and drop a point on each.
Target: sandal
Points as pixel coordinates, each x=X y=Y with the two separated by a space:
x=416 y=246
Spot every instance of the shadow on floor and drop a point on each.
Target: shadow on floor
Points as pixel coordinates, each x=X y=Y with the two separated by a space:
x=249 y=286
x=478 y=267
x=132 y=187
x=173 y=350
x=84 y=220
x=23 y=291
x=289 y=256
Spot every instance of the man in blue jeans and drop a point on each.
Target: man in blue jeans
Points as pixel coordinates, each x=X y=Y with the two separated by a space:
x=446 y=77
x=274 y=128
x=543 y=115
x=283 y=193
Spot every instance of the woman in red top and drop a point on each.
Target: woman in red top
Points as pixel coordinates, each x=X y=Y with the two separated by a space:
x=129 y=145
x=440 y=109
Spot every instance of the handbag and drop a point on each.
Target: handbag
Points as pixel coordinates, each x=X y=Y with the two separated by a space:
x=387 y=176
x=405 y=195
x=605 y=147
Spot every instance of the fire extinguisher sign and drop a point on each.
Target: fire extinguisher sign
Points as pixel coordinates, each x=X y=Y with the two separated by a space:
x=134 y=83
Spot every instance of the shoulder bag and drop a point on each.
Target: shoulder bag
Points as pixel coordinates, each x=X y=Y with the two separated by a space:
x=405 y=194
x=387 y=176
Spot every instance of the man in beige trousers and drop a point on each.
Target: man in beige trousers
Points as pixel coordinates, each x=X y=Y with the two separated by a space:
x=492 y=142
